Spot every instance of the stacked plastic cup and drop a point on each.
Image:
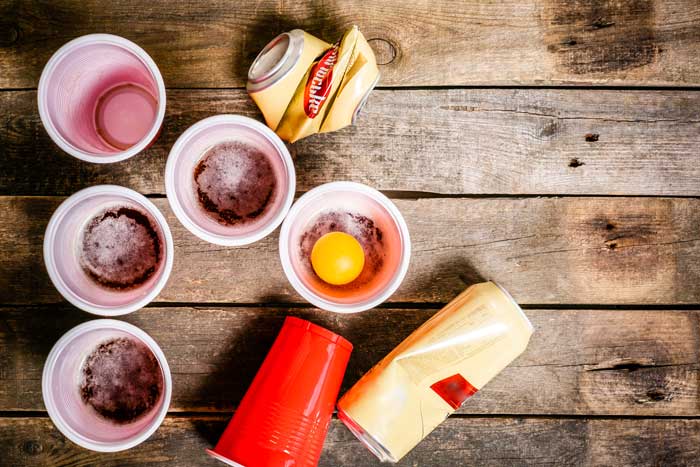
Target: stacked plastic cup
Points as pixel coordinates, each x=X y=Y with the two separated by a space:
x=101 y=98
x=284 y=416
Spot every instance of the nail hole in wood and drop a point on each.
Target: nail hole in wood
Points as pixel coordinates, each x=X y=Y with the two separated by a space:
x=576 y=163
x=32 y=447
x=601 y=23
x=656 y=395
x=8 y=35
x=592 y=137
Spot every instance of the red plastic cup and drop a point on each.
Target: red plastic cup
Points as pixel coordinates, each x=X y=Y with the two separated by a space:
x=284 y=416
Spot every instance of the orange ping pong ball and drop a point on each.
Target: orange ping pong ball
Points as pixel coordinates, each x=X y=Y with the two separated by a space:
x=337 y=258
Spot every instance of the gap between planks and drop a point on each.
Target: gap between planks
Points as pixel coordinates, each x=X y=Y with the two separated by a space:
x=226 y=415
x=435 y=306
x=563 y=87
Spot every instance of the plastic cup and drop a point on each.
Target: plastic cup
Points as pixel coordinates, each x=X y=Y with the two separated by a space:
x=358 y=199
x=101 y=98
x=188 y=151
x=62 y=256
x=60 y=387
x=284 y=416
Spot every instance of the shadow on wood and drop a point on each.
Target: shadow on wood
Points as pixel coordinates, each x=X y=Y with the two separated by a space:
x=317 y=21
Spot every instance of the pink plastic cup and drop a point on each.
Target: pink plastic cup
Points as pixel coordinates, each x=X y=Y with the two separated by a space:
x=61 y=388
x=101 y=98
x=188 y=151
x=376 y=214
x=62 y=257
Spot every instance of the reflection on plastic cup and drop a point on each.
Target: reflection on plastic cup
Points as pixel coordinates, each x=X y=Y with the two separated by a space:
x=101 y=98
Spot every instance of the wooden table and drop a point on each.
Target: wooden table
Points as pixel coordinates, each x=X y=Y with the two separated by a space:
x=550 y=145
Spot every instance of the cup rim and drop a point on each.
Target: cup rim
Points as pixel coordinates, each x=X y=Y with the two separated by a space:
x=317 y=300
x=222 y=458
x=42 y=100
x=55 y=415
x=52 y=229
x=174 y=201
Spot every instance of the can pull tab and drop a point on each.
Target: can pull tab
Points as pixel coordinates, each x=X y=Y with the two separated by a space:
x=454 y=390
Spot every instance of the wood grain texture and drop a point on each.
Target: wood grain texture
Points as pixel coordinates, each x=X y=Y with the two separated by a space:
x=460 y=141
x=28 y=442
x=641 y=363
x=631 y=42
x=544 y=250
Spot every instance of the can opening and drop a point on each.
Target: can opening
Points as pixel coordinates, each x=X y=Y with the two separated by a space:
x=374 y=446
x=270 y=59
x=520 y=310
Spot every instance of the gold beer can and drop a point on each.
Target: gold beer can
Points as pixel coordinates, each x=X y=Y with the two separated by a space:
x=434 y=370
x=304 y=85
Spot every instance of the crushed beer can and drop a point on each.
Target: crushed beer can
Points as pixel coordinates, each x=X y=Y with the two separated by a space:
x=435 y=370
x=304 y=85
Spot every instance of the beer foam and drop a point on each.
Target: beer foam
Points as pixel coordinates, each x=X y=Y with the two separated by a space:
x=121 y=380
x=235 y=182
x=361 y=227
x=120 y=248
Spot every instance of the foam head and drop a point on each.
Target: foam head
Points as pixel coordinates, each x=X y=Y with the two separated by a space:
x=79 y=379
x=108 y=250
x=230 y=180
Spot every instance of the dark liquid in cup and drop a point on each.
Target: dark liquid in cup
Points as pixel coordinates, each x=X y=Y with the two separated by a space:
x=235 y=183
x=121 y=248
x=121 y=380
x=361 y=227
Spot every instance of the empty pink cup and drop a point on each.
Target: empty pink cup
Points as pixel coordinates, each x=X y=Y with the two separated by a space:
x=65 y=265
x=101 y=98
x=185 y=157
x=367 y=215
x=61 y=388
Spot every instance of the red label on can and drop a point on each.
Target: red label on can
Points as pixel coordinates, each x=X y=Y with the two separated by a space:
x=318 y=85
x=454 y=390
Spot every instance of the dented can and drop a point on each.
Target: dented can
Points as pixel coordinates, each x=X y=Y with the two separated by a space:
x=434 y=370
x=304 y=85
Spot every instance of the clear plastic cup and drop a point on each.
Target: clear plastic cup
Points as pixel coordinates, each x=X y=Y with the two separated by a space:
x=367 y=204
x=180 y=183
x=62 y=255
x=61 y=388
x=101 y=98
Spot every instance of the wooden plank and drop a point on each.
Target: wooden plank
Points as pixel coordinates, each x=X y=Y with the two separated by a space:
x=544 y=250
x=633 y=42
x=641 y=363
x=484 y=141
x=494 y=442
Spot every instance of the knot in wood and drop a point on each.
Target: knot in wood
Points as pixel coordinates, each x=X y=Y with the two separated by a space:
x=384 y=50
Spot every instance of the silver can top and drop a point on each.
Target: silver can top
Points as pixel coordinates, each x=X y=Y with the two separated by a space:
x=276 y=60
